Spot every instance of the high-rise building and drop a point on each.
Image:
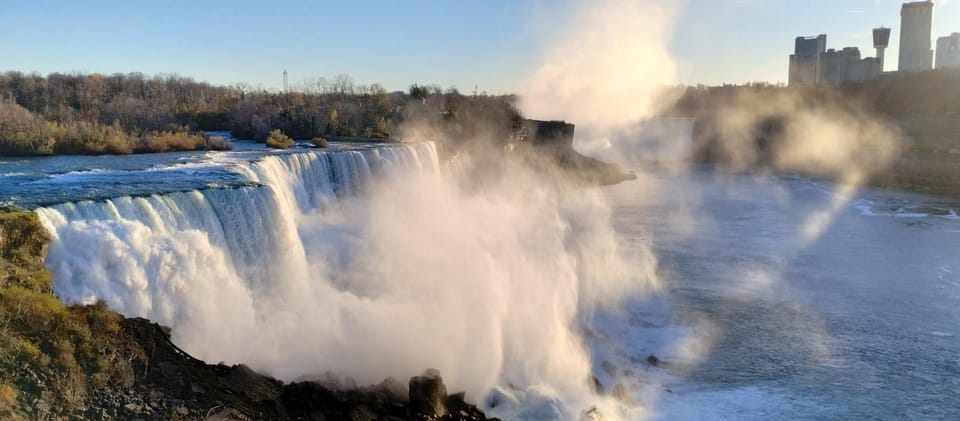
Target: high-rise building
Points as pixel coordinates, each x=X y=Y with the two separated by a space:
x=844 y=66
x=805 y=60
x=916 y=26
x=948 y=51
x=812 y=63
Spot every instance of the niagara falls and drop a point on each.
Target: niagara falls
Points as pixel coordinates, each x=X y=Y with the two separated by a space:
x=608 y=210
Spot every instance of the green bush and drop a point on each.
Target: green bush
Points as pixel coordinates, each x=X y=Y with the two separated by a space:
x=278 y=140
x=319 y=142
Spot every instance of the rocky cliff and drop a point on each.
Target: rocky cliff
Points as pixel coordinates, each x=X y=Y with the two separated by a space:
x=551 y=142
x=87 y=362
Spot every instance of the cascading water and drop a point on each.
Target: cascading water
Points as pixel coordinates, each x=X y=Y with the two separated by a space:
x=150 y=248
x=366 y=263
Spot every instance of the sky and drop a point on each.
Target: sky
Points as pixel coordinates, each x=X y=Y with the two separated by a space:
x=493 y=45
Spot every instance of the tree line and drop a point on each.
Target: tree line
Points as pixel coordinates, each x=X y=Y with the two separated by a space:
x=128 y=113
x=894 y=95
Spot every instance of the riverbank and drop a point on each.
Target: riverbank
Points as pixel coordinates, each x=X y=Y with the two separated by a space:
x=88 y=362
x=923 y=153
x=930 y=160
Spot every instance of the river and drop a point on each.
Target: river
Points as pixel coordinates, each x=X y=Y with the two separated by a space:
x=788 y=298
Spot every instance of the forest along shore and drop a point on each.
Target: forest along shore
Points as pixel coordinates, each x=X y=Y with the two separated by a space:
x=128 y=113
x=913 y=113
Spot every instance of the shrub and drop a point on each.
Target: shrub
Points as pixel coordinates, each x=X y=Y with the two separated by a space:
x=8 y=398
x=278 y=140
x=27 y=351
x=319 y=142
x=218 y=143
x=166 y=141
x=22 y=132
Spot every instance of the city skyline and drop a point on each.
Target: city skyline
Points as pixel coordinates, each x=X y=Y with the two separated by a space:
x=495 y=45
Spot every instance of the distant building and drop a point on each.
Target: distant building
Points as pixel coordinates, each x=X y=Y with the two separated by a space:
x=845 y=66
x=916 y=27
x=805 y=60
x=948 y=51
x=812 y=63
x=881 y=39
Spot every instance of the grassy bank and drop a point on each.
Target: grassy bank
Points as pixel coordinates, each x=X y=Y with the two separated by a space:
x=23 y=133
x=51 y=355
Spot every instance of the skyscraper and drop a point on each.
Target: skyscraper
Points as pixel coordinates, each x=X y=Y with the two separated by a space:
x=916 y=25
x=805 y=60
x=948 y=51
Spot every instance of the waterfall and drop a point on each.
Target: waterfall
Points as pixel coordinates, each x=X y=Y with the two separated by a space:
x=366 y=263
x=145 y=256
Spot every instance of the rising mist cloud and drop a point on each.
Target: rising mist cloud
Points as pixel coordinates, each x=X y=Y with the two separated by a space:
x=606 y=65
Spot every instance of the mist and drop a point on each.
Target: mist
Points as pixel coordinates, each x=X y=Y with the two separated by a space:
x=610 y=72
x=607 y=65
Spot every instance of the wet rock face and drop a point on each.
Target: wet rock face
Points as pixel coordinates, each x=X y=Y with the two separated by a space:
x=428 y=394
x=654 y=361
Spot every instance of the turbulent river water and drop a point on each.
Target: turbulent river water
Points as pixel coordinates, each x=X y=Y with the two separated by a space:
x=777 y=296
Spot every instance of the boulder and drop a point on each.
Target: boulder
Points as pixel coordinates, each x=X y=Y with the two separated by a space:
x=654 y=361
x=428 y=394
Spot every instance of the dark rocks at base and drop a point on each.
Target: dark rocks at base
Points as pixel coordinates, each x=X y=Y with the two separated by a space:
x=654 y=361
x=172 y=385
x=609 y=368
x=428 y=393
x=596 y=386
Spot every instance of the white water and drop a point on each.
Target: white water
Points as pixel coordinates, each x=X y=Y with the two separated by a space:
x=366 y=264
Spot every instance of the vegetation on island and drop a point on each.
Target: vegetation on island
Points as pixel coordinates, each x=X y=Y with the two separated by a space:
x=278 y=140
x=130 y=113
x=25 y=133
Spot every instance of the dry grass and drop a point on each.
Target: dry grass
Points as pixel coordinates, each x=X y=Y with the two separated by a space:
x=69 y=349
x=279 y=140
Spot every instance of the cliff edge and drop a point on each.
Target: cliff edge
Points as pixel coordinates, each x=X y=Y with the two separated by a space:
x=88 y=362
x=553 y=141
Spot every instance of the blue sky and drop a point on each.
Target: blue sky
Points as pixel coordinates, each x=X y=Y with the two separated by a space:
x=493 y=43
